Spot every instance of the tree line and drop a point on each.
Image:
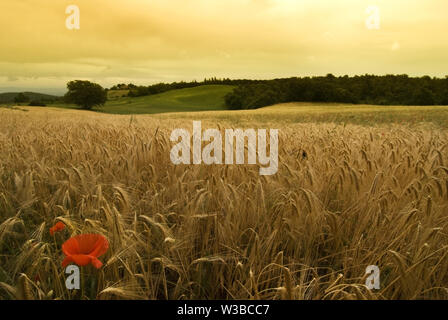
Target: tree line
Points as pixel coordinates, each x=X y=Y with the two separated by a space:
x=138 y=91
x=365 y=89
x=252 y=94
x=27 y=98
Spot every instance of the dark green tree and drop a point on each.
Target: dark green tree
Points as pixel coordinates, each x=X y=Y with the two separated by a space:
x=424 y=97
x=21 y=97
x=85 y=94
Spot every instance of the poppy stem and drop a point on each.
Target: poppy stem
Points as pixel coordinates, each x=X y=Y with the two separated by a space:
x=82 y=283
x=93 y=286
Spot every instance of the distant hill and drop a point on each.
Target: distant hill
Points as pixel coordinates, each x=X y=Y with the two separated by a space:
x=8 y=97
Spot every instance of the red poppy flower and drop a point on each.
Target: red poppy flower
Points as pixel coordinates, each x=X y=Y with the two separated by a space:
x=59 y=226
x=85 y=249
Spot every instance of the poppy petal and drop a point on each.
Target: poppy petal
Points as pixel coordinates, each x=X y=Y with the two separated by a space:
x=101 y=247
x=87 y=242
x=81 y=259
x=85 y=249
x=70 y=247
x=67 y=261
x=59 y=226
x=96 y=263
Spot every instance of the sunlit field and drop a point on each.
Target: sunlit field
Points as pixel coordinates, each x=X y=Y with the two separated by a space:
x=356 y=186
x=292 y=113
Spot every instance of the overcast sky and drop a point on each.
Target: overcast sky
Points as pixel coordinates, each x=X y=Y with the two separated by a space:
x=148 y=41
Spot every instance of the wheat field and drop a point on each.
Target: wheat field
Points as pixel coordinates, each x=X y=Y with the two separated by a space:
x=345 y=197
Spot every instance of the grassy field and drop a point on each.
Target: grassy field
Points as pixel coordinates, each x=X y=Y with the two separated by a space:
x=290 y=113
x=372 y=190
x=202 y=98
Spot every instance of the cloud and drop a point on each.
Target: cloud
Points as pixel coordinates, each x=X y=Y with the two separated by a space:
x=11 y=78
x=395 y=46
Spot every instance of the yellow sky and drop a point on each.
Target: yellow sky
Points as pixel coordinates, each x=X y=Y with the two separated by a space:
x=147 y=41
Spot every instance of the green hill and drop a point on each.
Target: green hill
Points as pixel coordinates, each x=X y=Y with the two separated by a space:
x=8 y=97
x=202 y=98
